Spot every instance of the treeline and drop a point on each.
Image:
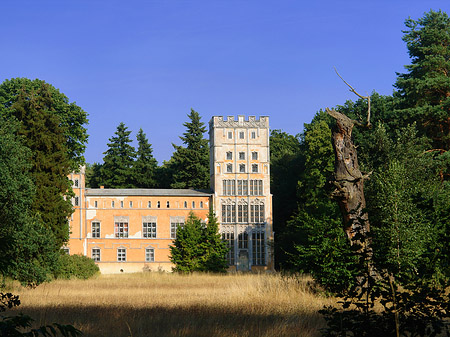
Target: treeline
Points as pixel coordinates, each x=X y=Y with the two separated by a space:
x=125 y=167
x=406 y=153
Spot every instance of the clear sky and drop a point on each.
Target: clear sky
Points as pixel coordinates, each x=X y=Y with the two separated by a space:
x=147 y=63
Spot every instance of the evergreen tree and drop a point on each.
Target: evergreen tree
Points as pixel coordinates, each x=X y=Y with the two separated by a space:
x=72 y=119
x=145 y=166
x=424 y=91
x=43 y=135
x=116 y=171
x=190 y=165
x=214 y=259
x=28 y=250
x=199 y=247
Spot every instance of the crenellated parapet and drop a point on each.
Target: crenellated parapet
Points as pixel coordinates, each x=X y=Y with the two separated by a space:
x=240 y=122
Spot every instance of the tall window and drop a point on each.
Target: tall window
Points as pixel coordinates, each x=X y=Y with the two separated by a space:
x=131 y=204
x=254 y=155
x=121 y=204
x=95 y=229
x=242 y=212
x=201 y=204
x=113 y=204
x=230 y=135
x=149 y=204
x=243 y=240
x=229 y=155
x=95 y=204
x=258 y=248
x=95 y=254
x=121 y=254
x=158 y=204
x=256 y=187
x=257 y=213
x=242 y=187
x=76 y=202
x=242 y=168
x=193 y=204
x=241 y=135
x=149 y=229
x=229 y=168
x=168 y=204
x=229 y=239
x=255 y=168
x=229 y=187
x=229 y=212
x=149 y=255
x=76 y=182
x=241 y=155
x=185 y=204
x=253 y=134
x=121 y=229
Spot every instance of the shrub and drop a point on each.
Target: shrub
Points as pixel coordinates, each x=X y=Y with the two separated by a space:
x=76 y=266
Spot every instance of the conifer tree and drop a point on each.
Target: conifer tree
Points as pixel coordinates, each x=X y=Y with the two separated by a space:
x=424 y=91
x=144 y=168
x=116 y=171
x=43 y=135
x=190 y=165
x=215 y=248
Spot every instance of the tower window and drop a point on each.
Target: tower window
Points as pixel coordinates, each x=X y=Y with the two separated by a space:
x=241 y=135
x=253 y=134
x=255 y=168
x=241 y=155
x=242 y=168
x=229 y=155
x=229 y=168
x=230 y=135
x=254 y=155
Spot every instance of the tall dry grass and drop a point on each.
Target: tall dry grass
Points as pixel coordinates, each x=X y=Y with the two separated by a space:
x=163 y=304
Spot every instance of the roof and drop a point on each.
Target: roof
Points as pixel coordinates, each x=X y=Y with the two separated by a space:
x=174 y=192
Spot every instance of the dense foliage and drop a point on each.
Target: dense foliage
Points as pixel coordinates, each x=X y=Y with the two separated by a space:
x=198 y=246
x=76 y=266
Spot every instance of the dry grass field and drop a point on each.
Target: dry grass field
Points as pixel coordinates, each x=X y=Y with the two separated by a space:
x=163 y=304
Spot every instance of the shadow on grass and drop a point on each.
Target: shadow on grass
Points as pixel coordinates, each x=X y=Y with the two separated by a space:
x=178 y=321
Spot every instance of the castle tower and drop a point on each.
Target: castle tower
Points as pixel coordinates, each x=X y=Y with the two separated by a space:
x=240 y=179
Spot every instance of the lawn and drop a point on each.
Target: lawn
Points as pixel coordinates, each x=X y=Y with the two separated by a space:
x=165 y=304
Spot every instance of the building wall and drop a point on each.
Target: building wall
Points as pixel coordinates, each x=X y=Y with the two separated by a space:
x=241 y=199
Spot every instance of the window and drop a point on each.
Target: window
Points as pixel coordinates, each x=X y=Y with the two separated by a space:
x=121 y=254
x=241 y=135
x=121 y=229
x=149 y=229
x=258 y=248
x=149 y=204
x=229 y=239
x=185 y=204
x=229 y=155
x=242 y=213
x=95 y=254
x=257 y=213
x=158 y=204
x=113 y=204
x=95 y=204
x=131 y=204
x=168 y=204
x=230 y=135
x=95 y=229
x=66 y=250
x=228 y=212
x=229 y=168
x=76 y=202
x=193 y=204
x=254 y=155
x=242 y=168
x=201 y=204
x=253 y=134
x=242 y=187
x=173 y=228
x=241 y=155
x=149 y=255
x=229 y=187
x=255 y=168
x=243 y=240
x=121 y=204
x=76 y=182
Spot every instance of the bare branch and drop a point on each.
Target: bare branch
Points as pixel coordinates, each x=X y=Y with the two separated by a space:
x=360 y=96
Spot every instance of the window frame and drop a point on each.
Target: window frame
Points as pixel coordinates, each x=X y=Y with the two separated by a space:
x=96 y=256
x=121 y=229
x=149 y=254
x=96 y=230
x=121 y=254
x=149 y=230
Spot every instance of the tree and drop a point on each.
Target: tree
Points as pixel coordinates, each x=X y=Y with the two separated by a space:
x=28 y=250
x=145 y=166
x=424 y=90
x=43 y=135
x=199 y=247
x=72 y=119
x=116 y=171
x=190 y=165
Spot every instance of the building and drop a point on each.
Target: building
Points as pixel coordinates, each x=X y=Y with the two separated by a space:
x=130 y=230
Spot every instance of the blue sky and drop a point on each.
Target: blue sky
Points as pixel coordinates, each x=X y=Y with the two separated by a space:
x=147 y=63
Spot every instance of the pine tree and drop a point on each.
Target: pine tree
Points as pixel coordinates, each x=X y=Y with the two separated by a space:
x=145 y=166
x=190 y=165
x=43 y=135
x=116 y=171
x=424 y=91
x=215 y=249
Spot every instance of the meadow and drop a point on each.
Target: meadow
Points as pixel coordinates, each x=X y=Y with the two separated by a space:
x=165 y=304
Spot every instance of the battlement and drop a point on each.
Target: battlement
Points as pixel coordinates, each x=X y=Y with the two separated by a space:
x=240 y=122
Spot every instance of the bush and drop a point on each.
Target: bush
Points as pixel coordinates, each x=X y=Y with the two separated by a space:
x=76 y=266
